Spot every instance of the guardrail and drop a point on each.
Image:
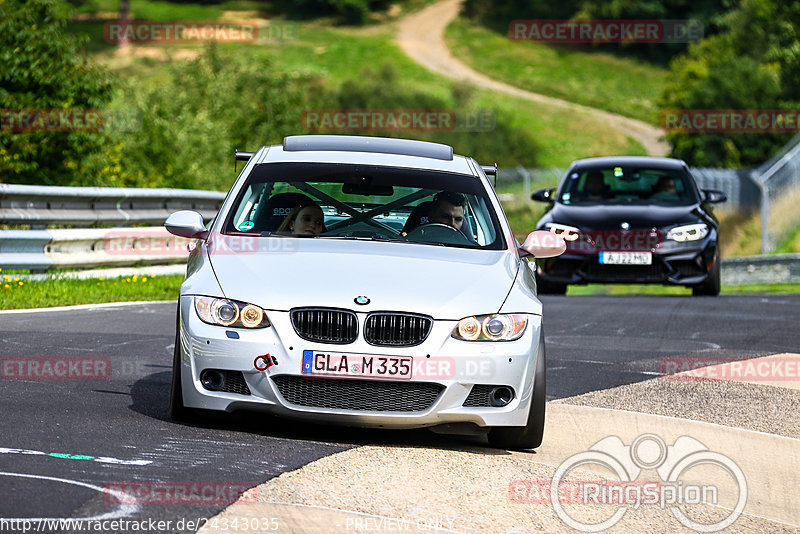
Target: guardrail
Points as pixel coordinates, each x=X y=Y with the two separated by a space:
x=40 y=206
x=86 y=248
x=40 y=249
x=772 y=269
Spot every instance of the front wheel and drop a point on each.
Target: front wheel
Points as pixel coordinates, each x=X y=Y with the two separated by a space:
x=712 y=286
x=530 y=435
x=177 y=410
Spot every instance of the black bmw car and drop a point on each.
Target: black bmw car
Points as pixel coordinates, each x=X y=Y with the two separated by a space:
x=631 y=220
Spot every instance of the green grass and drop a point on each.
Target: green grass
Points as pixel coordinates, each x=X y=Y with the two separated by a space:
x=338 y=54
x=16 y=293
x=648 y=289
x=68 y=292
x=626 y=86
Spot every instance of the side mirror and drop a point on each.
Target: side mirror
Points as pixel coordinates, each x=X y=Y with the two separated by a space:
x=543 y=244
x=714 y=196
x=543 y=195
x=186 y=223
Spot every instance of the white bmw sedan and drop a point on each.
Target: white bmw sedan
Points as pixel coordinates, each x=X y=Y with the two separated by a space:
x=363 y=281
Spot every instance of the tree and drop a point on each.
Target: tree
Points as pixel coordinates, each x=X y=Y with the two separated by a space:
x=754 y=64
x=42 y=68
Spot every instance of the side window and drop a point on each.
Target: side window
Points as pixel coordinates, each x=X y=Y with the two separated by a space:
x=243 y=219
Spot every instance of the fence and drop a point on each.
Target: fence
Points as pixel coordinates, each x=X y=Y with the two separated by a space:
x=778 y=176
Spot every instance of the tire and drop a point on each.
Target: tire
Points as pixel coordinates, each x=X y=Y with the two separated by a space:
x=177 y=410
x=543 y=287
x=530 y=435
x=711 y=287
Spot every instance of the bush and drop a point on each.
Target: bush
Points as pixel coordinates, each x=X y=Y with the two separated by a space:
x=192 y=123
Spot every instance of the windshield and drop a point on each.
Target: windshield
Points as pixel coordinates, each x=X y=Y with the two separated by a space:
x=628 y=185
x=334 y=201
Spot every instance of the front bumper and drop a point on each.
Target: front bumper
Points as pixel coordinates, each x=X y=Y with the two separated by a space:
x=445 y=374
x=674 y=263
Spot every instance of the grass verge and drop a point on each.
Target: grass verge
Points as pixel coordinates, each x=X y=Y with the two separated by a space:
x=646 y=289
x=19 y=294
x=337 y=55
x=16 y=293
x=601 y=80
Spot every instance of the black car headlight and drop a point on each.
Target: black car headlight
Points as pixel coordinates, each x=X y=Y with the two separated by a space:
x=688 y=232
x=493 y=327
x=224 y=312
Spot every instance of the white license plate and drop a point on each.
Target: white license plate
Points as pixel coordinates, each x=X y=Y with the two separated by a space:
x=317 y=362
x=626 y=258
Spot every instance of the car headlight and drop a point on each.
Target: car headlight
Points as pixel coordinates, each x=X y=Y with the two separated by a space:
x=688 y=232
x=493 y=327
x=224 y=312
x=568 y=233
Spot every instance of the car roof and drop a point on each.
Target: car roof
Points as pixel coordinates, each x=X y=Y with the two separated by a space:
x=350 y=149
x=635 y=161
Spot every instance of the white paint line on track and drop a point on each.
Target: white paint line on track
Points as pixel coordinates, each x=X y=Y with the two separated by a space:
x=86 y=306
x=124 y=510
x=82 y=457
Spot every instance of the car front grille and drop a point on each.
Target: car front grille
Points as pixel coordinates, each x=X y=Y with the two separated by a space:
x=687 y=268
x=479 y=396
x=625 y=273
x=361 y=395
x=325 y=325
x=234 y=383
x=229 y=381
x=396 y=329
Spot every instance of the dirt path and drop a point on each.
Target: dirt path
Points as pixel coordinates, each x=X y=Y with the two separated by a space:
x=421 y=36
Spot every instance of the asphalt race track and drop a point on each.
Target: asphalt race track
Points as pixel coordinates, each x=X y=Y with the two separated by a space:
x=64 y=441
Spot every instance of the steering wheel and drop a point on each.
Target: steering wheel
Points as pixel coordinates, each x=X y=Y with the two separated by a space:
x=438 y=233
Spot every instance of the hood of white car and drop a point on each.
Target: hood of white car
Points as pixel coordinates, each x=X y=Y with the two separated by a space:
x=443 y=282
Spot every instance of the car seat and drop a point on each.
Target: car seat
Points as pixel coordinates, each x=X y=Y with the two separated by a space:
x=418 y=216
x=275 y=210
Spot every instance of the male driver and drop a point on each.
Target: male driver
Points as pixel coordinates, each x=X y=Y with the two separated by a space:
x=448 y=208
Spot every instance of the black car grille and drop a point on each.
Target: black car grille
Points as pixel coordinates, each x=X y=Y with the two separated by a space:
x=396 y=329
x=479 y=396
x=625 y=273
x=361 y=395
x=234 y=383
x=687 y=268
x=325 y=325
x=230 y=382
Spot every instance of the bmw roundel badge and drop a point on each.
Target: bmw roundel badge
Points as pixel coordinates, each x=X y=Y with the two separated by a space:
x=361 y=299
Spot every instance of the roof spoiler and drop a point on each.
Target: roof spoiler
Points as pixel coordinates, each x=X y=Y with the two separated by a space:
x=354 y=143
x=241 y=156
x=491 y=170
